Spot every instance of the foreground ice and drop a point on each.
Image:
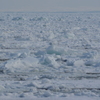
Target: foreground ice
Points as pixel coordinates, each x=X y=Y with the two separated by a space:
x=56 y=98
x=49 y=56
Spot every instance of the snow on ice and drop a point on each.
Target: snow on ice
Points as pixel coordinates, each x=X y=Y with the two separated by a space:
x=50 y=56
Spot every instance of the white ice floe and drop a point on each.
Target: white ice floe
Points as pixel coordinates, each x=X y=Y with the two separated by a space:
x=21 y=65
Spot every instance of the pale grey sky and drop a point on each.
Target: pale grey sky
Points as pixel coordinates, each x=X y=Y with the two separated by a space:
x=49 y=5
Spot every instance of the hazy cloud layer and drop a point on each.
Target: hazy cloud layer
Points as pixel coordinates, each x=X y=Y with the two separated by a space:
x=49 y=5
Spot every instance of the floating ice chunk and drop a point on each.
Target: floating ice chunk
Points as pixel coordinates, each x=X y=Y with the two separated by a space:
x=34 y=84
x=97 y=64
x=49 y=60
x=31 y=84
x=1 y=88
x=23 y=55
x=47 y=94
x=20 y=65
x=54 y=88
x=70 y=35
x=89 y=63
x=44 y=60
x=22 y=95
x=79 y=63
x=70 y=63
x=51 y=36
x=46 y=81
x=87 y=55
x=54 y=50
x=39 y=53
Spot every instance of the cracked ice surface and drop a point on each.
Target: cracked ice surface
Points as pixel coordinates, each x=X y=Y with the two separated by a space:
x=54 y=55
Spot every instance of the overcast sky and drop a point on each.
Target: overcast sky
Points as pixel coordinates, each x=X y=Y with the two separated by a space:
x=49 y=5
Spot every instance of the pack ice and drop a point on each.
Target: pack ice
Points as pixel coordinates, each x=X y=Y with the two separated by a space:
x=50 y=56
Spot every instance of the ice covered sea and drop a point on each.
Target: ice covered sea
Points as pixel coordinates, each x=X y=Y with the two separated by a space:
x=50 y=56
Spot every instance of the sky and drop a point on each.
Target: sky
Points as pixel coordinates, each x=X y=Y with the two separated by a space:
x=49 y=5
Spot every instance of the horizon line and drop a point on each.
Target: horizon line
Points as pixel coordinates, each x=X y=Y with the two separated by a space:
x=48 y=11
